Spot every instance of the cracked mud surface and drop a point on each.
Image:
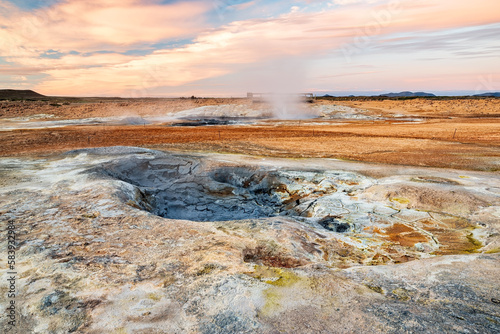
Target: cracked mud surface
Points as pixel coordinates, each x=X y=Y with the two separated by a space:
x=129 y=240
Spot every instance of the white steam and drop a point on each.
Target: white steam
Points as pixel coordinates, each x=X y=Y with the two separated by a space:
x=283 y=84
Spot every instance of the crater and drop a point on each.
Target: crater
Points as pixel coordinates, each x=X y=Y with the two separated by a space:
x=186 y=189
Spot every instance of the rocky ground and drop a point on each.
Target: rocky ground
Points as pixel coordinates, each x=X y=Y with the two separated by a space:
x=130 y=240
x=457 y=143
x=459 y=107
x=462 y=133
x=76 y=108
x=225 y=216
x=94 y=107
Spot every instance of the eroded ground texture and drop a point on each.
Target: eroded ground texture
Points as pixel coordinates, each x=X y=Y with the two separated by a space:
x=129 y=240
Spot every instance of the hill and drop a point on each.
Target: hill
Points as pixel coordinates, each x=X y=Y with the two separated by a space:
x=408 y=94
x=497 y=94
x=19 y=94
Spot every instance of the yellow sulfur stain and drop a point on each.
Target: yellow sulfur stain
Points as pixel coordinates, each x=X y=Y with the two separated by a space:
x=273 y=299
x=375 y=288
x=401 y=294
x=275 y=276
x=154 y=296
x=280 y=280
x=400 y=200
x=287 y=278
x=475 y=244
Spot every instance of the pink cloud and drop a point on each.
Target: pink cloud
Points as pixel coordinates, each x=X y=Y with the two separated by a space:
x=92 y=25
x=116 y=25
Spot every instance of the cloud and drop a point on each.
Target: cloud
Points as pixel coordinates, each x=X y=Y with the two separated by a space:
x=93 y=25
x=351 y=2
x=19 y=78
x=455 y=40
x=294 y=38
x=243 y=5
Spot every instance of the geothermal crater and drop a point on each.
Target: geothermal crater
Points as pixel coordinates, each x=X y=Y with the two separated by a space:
x=180 y=188
x=133 y=237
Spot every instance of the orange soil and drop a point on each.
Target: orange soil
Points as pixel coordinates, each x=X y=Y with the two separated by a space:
x=469 y=140
x=89 y=107
x=476 y=144
x=432 y=108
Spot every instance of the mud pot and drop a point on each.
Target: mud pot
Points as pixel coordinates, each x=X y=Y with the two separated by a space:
x=141 y=239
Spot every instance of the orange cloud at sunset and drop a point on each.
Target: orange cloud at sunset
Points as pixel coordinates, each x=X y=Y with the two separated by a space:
x=97 y=25
x=336 y=36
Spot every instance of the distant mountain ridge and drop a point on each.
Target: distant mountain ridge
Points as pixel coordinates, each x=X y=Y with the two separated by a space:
x=19 y=94
x=408 y=94
x=496 y=94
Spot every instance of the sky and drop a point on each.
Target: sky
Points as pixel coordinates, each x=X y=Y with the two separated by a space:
x=168 y=48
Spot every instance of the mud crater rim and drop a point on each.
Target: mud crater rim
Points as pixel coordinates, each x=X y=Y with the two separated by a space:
x=187 y=190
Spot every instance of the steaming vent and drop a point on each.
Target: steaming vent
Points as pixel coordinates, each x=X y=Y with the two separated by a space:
x=286 y=105
x=266 y=97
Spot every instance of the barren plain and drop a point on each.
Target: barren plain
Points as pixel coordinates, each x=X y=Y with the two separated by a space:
x=450 y=133
x=213 y=216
